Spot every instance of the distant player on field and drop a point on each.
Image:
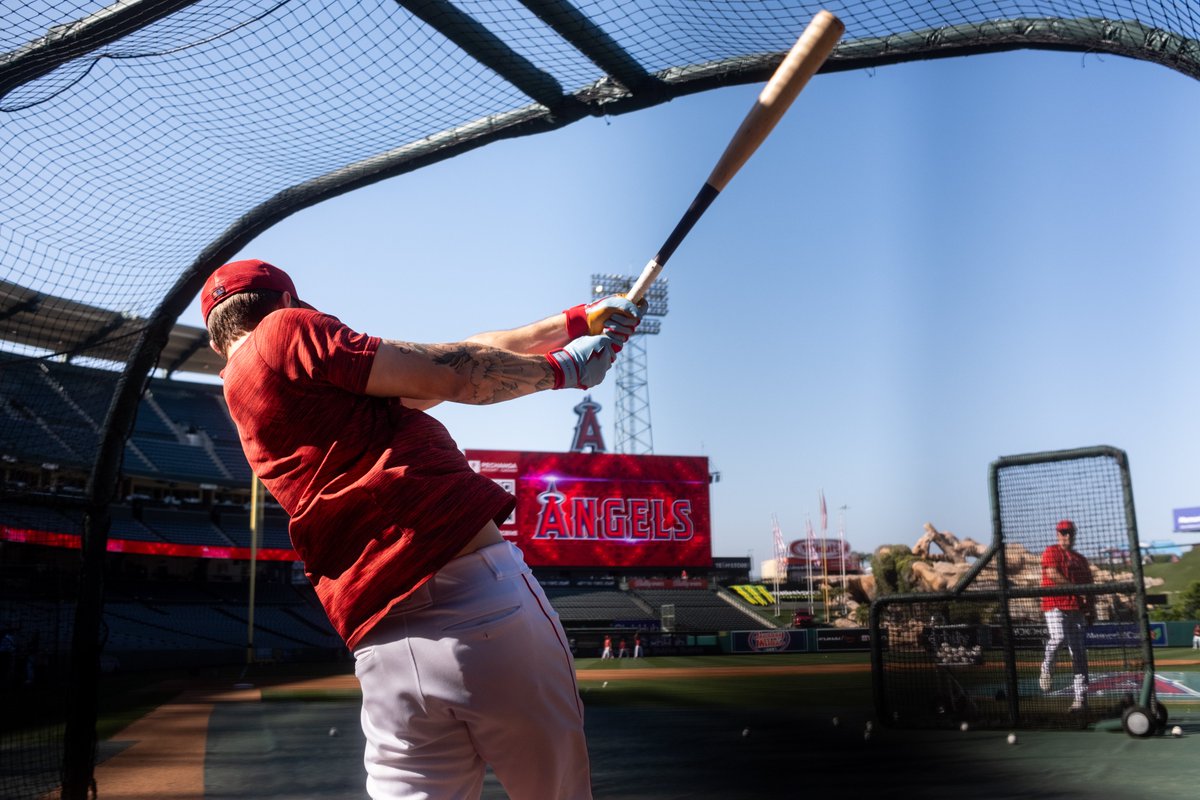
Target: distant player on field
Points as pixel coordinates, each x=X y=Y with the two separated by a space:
x=398 y=534
x=1067 y=616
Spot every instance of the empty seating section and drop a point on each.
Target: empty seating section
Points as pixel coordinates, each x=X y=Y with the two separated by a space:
x=63 y=431
x=284 y=629
x=231 y=456
x=235 y=522
x=150 y=423
x=600 y=607
x=194 y=407
x=136 y=462
x=124 y=526
x=33 y=445
x=90 y=389
x=209 y=616
x=275 y=532
x=39 y=518
x=29 y=396
x=181 y=461
x=700 y=610
x=181 y=526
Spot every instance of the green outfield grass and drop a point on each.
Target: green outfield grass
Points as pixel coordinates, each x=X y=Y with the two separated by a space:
x=1177 y=577
x=750 y=691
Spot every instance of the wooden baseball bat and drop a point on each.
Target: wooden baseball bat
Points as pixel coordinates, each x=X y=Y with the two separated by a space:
x=800 y=64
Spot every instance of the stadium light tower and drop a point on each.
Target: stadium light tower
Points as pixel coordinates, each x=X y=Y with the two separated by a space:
x=634 y=434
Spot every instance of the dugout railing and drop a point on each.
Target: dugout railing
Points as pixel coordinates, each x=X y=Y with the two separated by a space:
x=973 y=655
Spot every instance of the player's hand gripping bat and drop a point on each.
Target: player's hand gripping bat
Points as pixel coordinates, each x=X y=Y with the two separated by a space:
x=800 y=64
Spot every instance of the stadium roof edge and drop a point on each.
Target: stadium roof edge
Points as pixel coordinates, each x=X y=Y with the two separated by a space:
x=34 y=320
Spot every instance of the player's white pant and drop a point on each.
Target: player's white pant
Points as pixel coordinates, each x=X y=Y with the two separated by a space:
x=473 y=669
x=1196 y=642
x=1069 y=628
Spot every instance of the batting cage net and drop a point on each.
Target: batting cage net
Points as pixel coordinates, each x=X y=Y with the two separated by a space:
x=1048 y=628
x=147 y=141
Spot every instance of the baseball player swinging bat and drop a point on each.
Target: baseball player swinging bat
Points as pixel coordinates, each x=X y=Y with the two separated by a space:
x=800 y=64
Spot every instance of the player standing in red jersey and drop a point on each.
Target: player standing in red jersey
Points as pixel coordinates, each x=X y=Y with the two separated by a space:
x=1067 y=615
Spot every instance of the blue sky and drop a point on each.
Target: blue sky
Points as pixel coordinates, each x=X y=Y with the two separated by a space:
x=925 y=267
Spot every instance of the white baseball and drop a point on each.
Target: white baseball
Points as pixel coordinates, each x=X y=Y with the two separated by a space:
x=1012 y=738
x=964 y=727
x=1177 y=731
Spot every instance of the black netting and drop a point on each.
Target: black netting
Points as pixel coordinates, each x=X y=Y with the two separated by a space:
x=146 y=140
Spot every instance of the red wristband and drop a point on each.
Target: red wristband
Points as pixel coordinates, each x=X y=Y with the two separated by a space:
x=577 y=321
x=557 y=368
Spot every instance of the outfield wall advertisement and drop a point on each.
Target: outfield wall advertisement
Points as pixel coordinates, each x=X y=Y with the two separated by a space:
x=599 y=509
x=781 y=641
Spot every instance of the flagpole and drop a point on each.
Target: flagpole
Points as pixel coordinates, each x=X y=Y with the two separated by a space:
x=842 y=549
x=825 y=554
x=780 y=558
x=812 y=610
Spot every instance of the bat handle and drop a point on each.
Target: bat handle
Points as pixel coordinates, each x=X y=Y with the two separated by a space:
x=637 y=292
x=699 y=205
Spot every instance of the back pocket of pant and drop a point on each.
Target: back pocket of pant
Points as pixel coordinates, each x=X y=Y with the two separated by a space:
x=488 y=620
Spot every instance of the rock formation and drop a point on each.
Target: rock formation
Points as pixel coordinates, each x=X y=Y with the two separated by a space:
x=939 y=560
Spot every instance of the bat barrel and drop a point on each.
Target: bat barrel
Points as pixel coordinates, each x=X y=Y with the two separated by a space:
x=803 y=61
x=799 y=65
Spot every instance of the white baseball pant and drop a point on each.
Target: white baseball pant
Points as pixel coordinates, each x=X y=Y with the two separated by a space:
x=473 y=669
x=1069 y=628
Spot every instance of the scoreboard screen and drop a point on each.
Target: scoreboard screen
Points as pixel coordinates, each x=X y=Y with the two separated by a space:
x=600 y=509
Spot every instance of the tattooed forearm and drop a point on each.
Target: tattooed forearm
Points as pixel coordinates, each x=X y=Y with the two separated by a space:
x=486 y=374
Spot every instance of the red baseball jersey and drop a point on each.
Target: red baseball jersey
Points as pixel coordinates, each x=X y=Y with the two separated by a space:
x=380 y=496
x=1074 y=567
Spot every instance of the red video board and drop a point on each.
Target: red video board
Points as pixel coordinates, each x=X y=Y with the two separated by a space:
x=597 y=509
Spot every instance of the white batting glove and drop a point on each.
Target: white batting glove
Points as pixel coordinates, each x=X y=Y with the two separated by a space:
x=615 y=315
x=583 y=362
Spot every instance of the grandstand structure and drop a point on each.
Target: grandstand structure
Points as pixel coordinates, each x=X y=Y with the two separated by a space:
x=180 y=523
x=143 y=148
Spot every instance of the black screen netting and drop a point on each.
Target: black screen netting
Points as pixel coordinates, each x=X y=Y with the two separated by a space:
x=144 y=141
x=983 y=654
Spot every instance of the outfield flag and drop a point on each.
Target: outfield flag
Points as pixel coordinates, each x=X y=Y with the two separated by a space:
x=780 y=548
x=824 y=514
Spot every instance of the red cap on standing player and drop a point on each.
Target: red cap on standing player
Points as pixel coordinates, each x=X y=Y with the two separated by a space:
x=244 y=276
x=1065 y=526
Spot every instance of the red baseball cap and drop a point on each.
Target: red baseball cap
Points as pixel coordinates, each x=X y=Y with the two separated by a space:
x=243 y=276
x=1065 y=526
